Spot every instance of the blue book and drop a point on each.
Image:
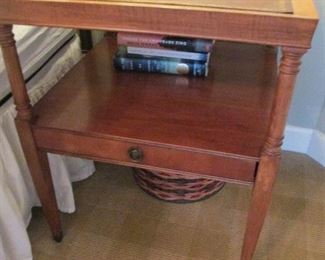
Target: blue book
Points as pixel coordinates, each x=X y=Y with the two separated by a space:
x=161 y=65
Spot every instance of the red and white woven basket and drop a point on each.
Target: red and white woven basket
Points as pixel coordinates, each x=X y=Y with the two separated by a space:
x=176 y=187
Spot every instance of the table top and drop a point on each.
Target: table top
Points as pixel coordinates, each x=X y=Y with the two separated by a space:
x=275 y=6
x=277 y=22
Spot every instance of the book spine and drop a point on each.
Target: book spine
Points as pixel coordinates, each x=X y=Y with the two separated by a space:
x=153 y=65
x=165 y=42
x=203 y=57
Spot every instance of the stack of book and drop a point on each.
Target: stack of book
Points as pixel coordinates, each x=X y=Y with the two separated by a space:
x=163 y=54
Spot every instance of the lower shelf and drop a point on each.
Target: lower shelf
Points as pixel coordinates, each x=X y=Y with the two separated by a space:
x=214 y=126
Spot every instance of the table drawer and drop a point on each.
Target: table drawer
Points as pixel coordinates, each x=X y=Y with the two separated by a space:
x=147 y=155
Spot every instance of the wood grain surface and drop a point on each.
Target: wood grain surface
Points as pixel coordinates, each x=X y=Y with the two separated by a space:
x=274 y=6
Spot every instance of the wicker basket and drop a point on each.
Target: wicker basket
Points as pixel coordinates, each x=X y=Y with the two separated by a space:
x=176 y=187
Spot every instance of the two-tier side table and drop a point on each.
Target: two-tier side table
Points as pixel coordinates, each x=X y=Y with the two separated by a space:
x=229 y=125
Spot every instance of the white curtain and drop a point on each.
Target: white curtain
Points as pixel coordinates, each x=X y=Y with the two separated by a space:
x=17 y=193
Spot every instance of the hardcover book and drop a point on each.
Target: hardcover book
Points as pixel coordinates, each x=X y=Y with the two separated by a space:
x=164 y=42
x=149 y=52
x=156 y=65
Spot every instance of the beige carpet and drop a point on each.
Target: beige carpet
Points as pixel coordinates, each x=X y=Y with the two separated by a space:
x=116 y=220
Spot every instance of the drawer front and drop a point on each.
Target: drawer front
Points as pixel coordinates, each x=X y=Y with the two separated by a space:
x=149 y=156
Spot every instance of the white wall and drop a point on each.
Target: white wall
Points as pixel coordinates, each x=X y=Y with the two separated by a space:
x=310 y=90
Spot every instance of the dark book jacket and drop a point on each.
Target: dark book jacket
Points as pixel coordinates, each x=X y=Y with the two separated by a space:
x=165 y=42
x=161 y=65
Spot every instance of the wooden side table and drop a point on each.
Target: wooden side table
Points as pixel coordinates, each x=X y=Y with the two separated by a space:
x=229 y=125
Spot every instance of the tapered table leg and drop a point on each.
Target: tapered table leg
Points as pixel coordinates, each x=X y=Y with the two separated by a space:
x=261 y=198
x=36 y=160
x=268 y=165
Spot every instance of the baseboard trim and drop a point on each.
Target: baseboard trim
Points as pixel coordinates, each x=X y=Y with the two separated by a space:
x=297 y=139
x=316 y=148
x=305 y=140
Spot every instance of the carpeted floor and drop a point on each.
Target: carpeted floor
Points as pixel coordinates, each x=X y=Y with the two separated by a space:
x=116 y=220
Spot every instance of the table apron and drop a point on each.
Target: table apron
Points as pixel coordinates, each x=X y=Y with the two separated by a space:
x=155 y=157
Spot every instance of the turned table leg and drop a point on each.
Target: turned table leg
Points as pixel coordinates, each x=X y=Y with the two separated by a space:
x=268 y=165
x=37 y=161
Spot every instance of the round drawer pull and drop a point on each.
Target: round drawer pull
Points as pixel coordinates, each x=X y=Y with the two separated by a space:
x=136 y=154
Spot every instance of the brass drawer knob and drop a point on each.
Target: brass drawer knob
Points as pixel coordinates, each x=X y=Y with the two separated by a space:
x=135 y=154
